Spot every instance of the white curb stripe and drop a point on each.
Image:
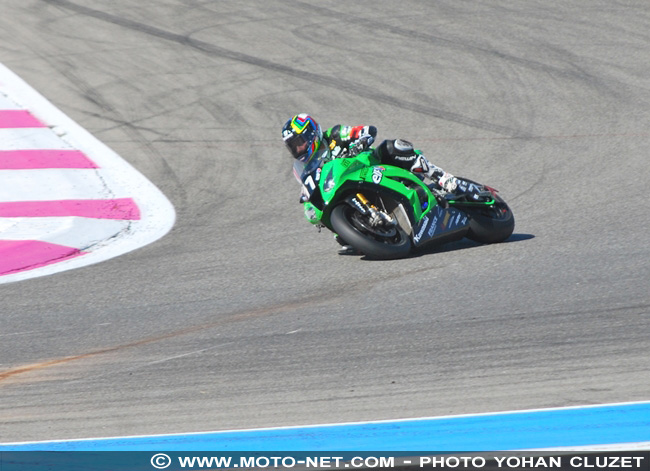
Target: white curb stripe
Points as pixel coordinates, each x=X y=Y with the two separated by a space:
x=30 y=138
x=60 y=184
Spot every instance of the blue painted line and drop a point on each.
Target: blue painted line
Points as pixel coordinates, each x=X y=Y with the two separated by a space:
x=550 y=428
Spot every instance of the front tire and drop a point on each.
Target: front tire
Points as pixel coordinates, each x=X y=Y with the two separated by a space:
x=373 y=244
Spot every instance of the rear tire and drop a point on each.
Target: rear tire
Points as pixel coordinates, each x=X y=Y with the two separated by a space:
x=490 y=225
x=371 y=244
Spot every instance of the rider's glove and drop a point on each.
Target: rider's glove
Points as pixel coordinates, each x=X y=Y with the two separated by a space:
x=367 y=140
x=360 y=144
x=448 y=182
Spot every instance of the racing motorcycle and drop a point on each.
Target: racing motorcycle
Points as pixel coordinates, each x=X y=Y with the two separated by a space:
x=386 y=212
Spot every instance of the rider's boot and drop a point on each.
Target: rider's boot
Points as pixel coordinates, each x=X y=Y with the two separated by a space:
x=444 y=180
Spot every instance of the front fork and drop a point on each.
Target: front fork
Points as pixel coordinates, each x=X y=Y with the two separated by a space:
x=375 y=216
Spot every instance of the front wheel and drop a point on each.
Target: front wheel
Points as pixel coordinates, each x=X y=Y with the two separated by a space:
x=374 y=242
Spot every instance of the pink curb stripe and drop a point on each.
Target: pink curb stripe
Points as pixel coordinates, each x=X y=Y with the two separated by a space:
x=34 y=159
x=21 y=255
x=19 y=119
x=121 y=208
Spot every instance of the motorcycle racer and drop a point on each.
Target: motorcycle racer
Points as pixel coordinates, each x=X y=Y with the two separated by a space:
x=310 y=146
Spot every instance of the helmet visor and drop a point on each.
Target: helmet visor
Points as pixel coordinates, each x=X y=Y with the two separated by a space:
x=298 y=146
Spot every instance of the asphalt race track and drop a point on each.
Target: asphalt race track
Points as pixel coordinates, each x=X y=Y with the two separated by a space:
x=244 y=315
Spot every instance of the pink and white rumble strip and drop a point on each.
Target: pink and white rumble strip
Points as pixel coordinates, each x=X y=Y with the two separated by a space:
x=66 y=199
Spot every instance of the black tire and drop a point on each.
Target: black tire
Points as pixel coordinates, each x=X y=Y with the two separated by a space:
x=373 y=245
x=490 y=225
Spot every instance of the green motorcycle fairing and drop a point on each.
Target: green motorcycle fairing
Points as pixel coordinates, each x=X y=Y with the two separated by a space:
x=339 y=178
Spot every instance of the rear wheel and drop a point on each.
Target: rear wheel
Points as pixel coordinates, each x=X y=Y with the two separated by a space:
x=379 y=241
x=491 y=224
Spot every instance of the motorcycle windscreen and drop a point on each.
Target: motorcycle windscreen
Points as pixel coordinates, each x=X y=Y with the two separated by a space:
x=301 y=169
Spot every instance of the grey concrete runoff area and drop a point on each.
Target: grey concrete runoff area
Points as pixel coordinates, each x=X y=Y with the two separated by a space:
x=245 y=316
